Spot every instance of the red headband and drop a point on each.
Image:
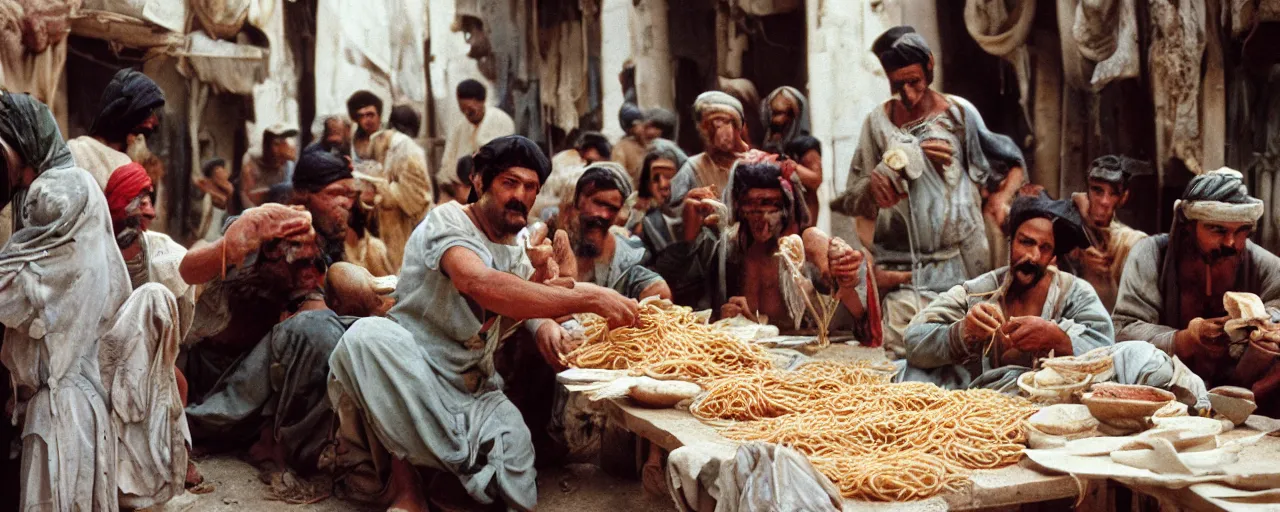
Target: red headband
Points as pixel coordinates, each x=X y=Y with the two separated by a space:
x=126 y=184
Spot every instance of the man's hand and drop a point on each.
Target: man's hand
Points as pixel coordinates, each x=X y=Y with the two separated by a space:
x=1032 y=335
x=737 y=306
x=882 y=190
x=937 y=151
x=1096 y=261
x=844 y=263
x=554 y=342
x=695 y=212
x=617 y=310
x=997 y=208
x=1203 y=337
x=264 y=223
x=982 y=322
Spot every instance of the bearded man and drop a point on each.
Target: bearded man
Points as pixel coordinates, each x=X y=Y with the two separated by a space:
x=989 y=330
x=62 y=282
x=566 y=167
x=934 y=151
x=785 y=115
x=731 y=262
x=1102 y=263
x=1172 y=290
x=420 y=385
x=720 y=122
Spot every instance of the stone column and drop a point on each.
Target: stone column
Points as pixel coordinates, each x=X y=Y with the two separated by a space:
x=651 y=53
x=615 y=48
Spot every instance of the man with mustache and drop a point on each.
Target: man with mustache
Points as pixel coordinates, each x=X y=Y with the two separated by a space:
x=566 y=167
x=418 y=389
x=988 y=330
x=1172 y=290
x=729 y=261
x=924 y=165
x=1110 y=241
x=323 y=184
x=605 y=255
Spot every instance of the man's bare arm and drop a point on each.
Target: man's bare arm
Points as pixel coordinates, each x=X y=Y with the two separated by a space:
x=513 y=297
x=202 y=263
x=658 y=289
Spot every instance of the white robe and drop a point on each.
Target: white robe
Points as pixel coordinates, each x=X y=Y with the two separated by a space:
x=466 y=138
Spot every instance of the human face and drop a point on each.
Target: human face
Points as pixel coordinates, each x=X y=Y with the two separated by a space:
x=721 y=131
x=650 y=131
x=1104 y=199
x=283 y=150
x=144 y=129
x=591 y=156
x=783 y=110
x=812 y=160
x=910 y=84
x=661 y=172
x=368 y=119
x=1031 y=252
x=1221 y=240
x=331 y=208
x=472 y=109
x=762 y=212
x=507 y=200
x=139 y=215
x=596 y=211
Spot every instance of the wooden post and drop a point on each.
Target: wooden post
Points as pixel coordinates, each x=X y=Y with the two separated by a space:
x=1213 y=92
x=1047 y=97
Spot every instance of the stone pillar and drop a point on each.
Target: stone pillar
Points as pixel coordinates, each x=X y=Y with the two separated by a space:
x=615 y=20
x=651 y=53
x=845 y=83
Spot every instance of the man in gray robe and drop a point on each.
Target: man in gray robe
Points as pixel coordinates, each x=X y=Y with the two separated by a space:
x=922 y=169
x=62 y=281
x=421 y=384
x=989 y=330
x=785 y=114
x=720 y=122
x=1172 y=290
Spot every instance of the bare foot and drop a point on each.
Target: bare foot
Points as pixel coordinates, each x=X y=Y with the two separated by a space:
x=653 y=477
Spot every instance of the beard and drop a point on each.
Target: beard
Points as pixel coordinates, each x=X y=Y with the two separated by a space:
x=1035 y=271
x=138 y=150
x=585 y=245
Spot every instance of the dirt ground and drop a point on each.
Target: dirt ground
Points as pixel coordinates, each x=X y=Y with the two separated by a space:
x=576 y=488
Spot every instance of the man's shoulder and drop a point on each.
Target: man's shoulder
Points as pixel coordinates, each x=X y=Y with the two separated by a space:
x=1262 y=255
x=986 y=283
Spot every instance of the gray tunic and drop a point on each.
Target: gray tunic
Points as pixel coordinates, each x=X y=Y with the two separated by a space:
x=625 y=272
x=424 y=378
x=937 y=353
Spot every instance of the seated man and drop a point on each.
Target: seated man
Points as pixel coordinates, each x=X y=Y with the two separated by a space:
x=273 y=163
x=1173 y=284
x=652 y=217
x=566 y=167
x=734 y=267
x=323 y=185
x=605 y=255
x=137 y=356
x=217 y=191
x=987 y=331
x=1109 y=240
x=420 y=384
x=720 y=123
x=351 y=290
x=257 y=354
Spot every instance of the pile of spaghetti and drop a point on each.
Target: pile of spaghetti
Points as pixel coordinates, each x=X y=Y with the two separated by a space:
x=874 y=440
x=668 y=342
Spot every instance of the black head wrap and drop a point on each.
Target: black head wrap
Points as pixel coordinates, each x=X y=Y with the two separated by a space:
x=317 y=169
x=629 y=115
x=1068 y=229
x=465 y=164
x=1117 y=169
x=900 y=47
x=128 y=100
x=28 y=127
x=405 y=119
x=664 y=119
x=761 y=175
x=471 y=90
x=510 y=151
x=596 y=141
x=798 y=146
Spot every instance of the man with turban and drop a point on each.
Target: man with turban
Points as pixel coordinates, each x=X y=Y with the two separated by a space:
x=128 y=113
x=630 y=149
x=1102 y=263
x=420 y=385
x=729 y=260
x=785 y=115
x=921 y=170
x=991 y=329
x=1172 y=290
x=257 y=354
x=323 y=184
x=720 y=122
x=480 y=125
x=139 y=352
x=62 y=281
x=652 y=217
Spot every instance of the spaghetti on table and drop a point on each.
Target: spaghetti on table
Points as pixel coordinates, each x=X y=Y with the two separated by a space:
x=875 y=440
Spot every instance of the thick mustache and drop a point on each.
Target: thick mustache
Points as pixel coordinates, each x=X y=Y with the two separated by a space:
x=595 y=223
x=1029 y=268
x=518 y=207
